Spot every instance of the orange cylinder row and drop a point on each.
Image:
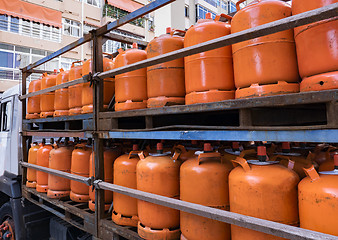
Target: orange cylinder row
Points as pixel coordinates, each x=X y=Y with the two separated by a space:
x=208 y=75
x=59 y=159
x=87 y=90
x=42 y=159
x=32 y=159
x=109 y=156
x=47 y=99
x=130 y=87
x=159 y=174
x=125 y=207
x=75 y=91
x=61 y=106
x=79 y=192
x=165 y=81
x=33 y=103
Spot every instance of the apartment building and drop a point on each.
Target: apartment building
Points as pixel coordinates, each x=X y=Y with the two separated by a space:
x=32 y=29
x=181 y=14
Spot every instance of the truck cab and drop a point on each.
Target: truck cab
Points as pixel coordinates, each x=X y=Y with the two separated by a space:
x=10 y=128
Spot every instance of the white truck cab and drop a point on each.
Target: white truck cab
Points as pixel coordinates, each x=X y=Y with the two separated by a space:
x=10 y=129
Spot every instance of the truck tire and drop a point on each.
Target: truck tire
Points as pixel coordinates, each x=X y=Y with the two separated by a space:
x=7 y=228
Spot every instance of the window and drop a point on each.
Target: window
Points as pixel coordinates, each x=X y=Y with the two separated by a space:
x=96 y=3
x=71 y=27
x=6 y=116
x=114 y=12
x=14 y=25
x=231 y=7
x=6 y=59
x=3 y=22
x=151 y=26
x=212 y=2
x=186 y=11
x=14 y=57
x=26 y=27
x=202 y=11
x=224 y=5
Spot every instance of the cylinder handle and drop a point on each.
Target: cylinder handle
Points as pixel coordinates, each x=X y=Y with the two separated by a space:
x=312 y=173
x=242 y=162
x=222 y=16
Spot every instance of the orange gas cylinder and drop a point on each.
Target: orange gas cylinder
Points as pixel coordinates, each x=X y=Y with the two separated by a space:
x=79 y=192
x=108 y=85
x=227 y=155
x=262 y=189
x=204 y=180
x=109 y=156
x=209 y=76
x=298 y=160
x=42 y=159
x=165 y=81
x=158 y=174
x=186 y=152
x=60 y=159
x=75 y=91
x=33 y=103
x=267 y=63
x=321 y=37
x=61 y=95
x=324 y=81
x=125 y=207
x=130 y=87
x=47 y=99
x=318 y=200
x=324 y=153
x=31 y=173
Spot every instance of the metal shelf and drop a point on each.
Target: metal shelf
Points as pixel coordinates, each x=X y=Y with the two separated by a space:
x=325 y=135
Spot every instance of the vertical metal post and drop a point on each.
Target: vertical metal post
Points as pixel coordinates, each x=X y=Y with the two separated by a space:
x=24 y=138
x=97 y=66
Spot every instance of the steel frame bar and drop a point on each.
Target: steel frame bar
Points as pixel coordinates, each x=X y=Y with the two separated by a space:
x=319 y=14
x=269 y=227
x=78 y=178
x=84 y=39
x=56 y=87
x=262 y=30
x=323 y=135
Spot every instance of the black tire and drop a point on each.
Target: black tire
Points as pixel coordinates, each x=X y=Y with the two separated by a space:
x=6 y=211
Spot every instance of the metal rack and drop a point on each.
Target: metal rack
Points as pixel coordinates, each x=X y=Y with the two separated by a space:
x=249 y=122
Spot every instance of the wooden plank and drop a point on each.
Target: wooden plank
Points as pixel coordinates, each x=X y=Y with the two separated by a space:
x=54 y=133
x=51 y=89
x=332 y=113
x=259 y=31
x=61 y=118
x=108 y=226
x=270 y=101
x=269 y=227
x=87 y=217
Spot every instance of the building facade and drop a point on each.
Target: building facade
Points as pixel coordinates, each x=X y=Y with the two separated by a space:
x=184 y=13
x=33 y=29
